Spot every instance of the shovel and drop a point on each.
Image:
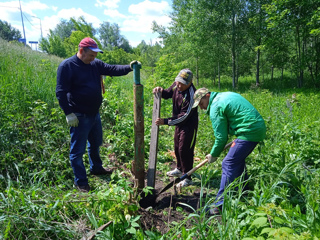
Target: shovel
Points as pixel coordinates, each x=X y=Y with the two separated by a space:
x=177 y=180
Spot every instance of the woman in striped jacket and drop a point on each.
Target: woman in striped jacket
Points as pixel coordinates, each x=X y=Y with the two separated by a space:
x=185 y=120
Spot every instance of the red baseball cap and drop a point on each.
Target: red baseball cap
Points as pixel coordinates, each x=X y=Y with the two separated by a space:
x=91 y=44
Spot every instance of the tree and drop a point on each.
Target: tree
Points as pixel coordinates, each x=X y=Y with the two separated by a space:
x=202 y=32
x=60 y=44
x=111 y=38
x=257 y=31
x=148 y=54
x=9 y=33
x=116 y=56
x=81 y=25
x=53 y=45
x=297 y=18
x=71 y=43
x=64 y=29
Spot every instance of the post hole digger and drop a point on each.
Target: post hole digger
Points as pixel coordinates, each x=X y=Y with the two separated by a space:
x=150 y=199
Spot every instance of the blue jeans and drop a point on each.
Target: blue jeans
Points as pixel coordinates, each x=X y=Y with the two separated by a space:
x=89 y=130
x=234 y=164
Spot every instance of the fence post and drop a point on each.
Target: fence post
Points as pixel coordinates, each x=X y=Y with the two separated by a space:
x=138 y=164
x=151 y=177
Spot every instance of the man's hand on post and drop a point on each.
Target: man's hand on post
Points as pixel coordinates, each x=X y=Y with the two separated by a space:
x=133 y=62
x=72 y=120
x=211 y=159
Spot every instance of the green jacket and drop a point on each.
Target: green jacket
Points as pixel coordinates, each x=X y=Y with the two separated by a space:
x=232 y=114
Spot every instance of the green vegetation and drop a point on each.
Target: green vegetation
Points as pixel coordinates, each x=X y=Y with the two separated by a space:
x=238 y=38
x=261 y=49
x=37 y=195
x=8 y=32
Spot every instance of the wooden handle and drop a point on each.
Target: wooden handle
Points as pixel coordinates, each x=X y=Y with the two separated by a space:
x=203 y=162
x=102 y=85
x=197 y=167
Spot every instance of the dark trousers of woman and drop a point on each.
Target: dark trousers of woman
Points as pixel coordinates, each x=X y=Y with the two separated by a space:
x=184 y=142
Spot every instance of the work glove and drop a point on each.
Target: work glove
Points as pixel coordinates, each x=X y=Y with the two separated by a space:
x=157 y=89
x=133 y=62
x=72 y=120
x=211 y=159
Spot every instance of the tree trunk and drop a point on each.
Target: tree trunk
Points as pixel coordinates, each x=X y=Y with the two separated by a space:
x=197 y=71
x=219 y=76
x=299 y=58
x=214 y=77
x=258 y=53
x=317 y=48
x=258 y=68
x=233 y=50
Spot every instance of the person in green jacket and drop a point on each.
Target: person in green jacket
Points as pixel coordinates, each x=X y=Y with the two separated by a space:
x=230 y=114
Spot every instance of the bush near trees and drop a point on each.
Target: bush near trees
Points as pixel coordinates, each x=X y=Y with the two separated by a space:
x=9 y=33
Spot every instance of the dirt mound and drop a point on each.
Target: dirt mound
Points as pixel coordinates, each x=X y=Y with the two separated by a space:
x=165 y=210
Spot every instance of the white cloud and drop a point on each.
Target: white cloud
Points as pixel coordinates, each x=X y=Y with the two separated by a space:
x=52 y=21
x=143 y=24
x=9 y=11
x=113 y=13
x=144 y=13
x=136 y=22
x=110 y=4
x=148 y=8
x=32 y=6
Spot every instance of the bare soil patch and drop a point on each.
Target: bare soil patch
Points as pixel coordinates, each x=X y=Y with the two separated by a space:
x=167 y=207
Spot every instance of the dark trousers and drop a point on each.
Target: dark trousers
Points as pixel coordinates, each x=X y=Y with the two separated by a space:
x=184 y=142
x=234 y=164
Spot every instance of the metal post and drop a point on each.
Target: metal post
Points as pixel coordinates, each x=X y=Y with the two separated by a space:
x=41 y=28
x=40 y=25
x=136 y=73
x=138 y=164
x=24 y=33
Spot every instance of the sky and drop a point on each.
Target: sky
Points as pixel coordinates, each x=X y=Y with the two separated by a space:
x=134 y=17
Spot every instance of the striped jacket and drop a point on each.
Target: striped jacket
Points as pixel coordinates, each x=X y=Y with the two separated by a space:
x=182 y=111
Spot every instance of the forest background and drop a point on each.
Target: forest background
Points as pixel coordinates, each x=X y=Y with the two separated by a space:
x=269 y=51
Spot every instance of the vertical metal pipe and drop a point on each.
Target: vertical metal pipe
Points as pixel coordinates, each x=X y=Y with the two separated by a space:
x=24 y=33
x=136 y=73
x=138 y=164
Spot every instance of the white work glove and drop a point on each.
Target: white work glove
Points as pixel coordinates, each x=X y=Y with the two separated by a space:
x=72 y=120
x=133 y=62
x=211 y=159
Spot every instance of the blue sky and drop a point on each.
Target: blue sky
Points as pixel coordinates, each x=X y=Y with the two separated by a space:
x=133 y=16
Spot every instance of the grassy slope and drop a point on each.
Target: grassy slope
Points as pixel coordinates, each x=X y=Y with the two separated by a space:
x=36 y=180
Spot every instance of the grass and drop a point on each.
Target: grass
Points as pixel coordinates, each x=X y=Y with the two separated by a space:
x=36 y=181
x=283 y=199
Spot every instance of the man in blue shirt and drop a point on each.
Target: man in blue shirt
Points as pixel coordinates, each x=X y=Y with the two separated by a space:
x=80 y=96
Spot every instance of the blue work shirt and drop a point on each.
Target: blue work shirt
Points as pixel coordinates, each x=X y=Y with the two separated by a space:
x=79 y=85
